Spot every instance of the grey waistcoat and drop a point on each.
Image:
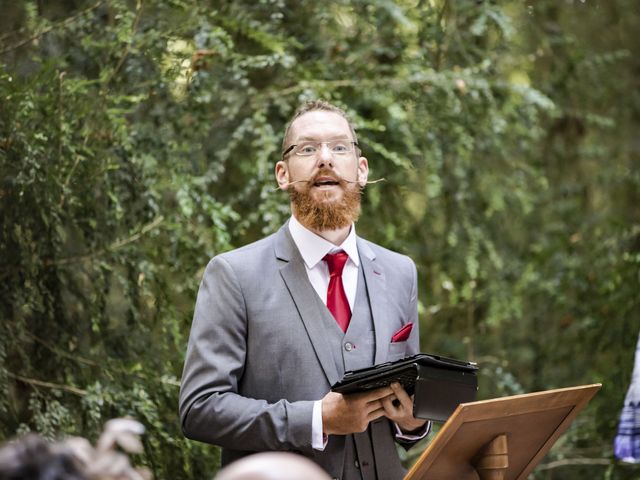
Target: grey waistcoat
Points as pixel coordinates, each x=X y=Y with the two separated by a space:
x=352 y=350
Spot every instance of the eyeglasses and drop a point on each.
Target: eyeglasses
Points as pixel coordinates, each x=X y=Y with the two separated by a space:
x=307 y=149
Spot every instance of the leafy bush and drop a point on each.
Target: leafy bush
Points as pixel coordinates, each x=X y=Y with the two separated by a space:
x=137 y=139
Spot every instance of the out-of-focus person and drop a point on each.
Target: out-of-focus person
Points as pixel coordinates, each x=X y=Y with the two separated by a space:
x=626 y=445
x=273 y=466
x=33 y=458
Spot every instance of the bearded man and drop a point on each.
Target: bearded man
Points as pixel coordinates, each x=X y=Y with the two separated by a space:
x=279 y=321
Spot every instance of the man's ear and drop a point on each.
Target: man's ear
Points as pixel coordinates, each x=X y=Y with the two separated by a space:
x=282 y=174
x=363 y=171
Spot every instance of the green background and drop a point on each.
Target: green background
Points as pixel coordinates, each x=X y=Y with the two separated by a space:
x=138 y=139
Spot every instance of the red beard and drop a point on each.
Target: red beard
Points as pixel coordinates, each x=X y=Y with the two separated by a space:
x=321 y=214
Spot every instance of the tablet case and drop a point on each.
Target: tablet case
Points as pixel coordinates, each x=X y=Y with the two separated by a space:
x=439 y=383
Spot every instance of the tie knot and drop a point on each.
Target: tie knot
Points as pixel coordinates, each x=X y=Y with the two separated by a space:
x=335 y=262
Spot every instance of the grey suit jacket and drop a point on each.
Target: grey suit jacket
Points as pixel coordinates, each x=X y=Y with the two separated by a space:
x=257 y=357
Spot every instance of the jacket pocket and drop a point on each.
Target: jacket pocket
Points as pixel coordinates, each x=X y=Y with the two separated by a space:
x=397 y=350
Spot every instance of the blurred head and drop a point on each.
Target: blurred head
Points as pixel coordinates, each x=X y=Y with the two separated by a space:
x=33 y=458
x=321 y=167
x=273 y=466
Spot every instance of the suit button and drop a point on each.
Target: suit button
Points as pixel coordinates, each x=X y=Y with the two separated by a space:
x=348 y=346
x=357 y=464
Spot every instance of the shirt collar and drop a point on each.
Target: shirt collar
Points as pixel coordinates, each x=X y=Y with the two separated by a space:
x=313 y=247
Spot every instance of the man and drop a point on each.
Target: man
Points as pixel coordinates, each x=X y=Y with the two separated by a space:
x=277 y=322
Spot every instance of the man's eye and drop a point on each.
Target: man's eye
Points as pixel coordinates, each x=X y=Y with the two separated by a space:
x=339 y=148
x=308 y=149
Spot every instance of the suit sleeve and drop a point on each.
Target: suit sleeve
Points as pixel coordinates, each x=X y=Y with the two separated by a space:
x=211 y=409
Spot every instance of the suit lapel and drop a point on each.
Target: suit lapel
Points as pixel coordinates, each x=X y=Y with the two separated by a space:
x=377 y=289
x=295 y=277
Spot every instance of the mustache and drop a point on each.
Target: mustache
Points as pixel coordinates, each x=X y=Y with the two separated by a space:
x=335 y=176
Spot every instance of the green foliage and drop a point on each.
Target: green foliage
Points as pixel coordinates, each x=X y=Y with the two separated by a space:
x=138 y=139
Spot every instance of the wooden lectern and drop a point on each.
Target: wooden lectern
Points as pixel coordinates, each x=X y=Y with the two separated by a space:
x=502 y=438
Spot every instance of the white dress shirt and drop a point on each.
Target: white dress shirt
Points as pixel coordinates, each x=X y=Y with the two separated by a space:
x=313 y=248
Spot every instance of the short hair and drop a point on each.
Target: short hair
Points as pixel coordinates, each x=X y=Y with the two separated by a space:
x=33 y=458
x=312 y=106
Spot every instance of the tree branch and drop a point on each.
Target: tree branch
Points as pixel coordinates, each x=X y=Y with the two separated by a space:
x=125 y=53
x=574 y=461
x=61 y=353
x=62 y=23
x=114 y=246
x=150 y=226
x=91 y=363
x=53 y=386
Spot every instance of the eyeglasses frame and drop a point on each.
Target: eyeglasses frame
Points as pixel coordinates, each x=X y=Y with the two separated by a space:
x=291 y=147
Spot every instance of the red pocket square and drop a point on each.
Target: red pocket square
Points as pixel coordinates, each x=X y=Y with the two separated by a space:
x=402 y=334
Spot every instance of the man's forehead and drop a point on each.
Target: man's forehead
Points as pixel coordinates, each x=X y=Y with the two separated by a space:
x=319 y=123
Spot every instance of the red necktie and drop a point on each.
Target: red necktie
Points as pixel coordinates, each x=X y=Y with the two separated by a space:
x=337 y=302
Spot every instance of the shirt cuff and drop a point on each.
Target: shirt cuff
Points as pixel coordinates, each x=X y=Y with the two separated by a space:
x=404 y=436
x=318 y=439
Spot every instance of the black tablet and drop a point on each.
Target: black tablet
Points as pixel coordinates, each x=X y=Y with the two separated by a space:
x=439 y=383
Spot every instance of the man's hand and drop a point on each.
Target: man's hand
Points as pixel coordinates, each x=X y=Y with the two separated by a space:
x=401 y=411
x=344 y=414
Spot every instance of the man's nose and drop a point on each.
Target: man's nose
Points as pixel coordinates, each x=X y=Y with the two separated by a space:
x=325 y=157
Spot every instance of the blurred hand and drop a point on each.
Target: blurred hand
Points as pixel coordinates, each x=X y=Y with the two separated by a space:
x=401 y=411
x=344 y=414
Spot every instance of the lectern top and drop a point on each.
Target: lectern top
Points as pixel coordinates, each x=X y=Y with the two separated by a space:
x=501 y=438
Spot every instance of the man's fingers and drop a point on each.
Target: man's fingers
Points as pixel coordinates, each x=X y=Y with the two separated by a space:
x=377 y=394
x=402 y=395
x=375 y=414
x=372 y=406
x=388 y=405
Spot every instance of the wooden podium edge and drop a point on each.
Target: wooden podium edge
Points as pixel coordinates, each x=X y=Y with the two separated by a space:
x=459 y=416
x=589 y=393
x=434 y=446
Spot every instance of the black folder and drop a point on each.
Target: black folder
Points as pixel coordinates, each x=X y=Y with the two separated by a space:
x=438 y=383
